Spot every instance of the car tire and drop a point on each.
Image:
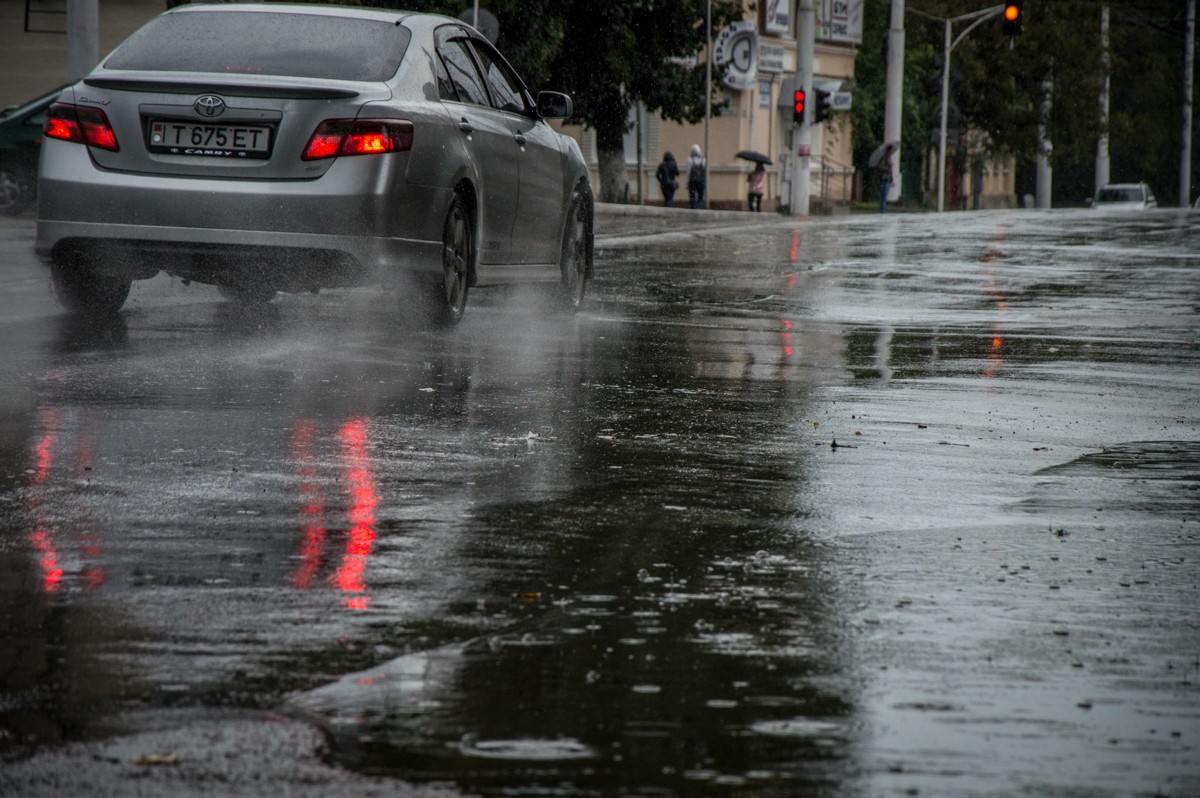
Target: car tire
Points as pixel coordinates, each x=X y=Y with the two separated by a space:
x=12 y=195
x=576 y=258
x=83 y=290
x=449 y=301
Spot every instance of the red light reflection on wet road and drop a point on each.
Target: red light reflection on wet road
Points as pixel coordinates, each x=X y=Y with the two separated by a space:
x=47 y=543
x=312 y=506
x=349 y=577
x=360 y=510
x=40 y=538
x=995 y=355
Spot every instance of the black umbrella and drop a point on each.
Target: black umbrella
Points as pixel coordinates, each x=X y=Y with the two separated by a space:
x=880 y=151
x=751 y=155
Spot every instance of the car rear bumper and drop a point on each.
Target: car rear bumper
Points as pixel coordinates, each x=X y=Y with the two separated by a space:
x=357 y=216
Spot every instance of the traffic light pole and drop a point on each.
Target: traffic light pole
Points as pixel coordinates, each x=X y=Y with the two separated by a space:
x=1189 y=59
x=802 y=135
x=893 y=107
x=83 y=37
x=979 y=18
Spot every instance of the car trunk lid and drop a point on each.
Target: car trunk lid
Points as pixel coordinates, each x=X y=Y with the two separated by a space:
x=207 y=126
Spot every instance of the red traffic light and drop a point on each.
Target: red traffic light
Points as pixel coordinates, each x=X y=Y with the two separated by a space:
x=1011 y=18
x=798 y=99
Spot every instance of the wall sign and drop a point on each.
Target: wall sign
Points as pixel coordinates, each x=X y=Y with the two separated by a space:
x=840 y=21
x=736 y=48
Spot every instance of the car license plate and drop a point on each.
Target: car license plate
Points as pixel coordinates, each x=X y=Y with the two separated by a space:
x=213 y=141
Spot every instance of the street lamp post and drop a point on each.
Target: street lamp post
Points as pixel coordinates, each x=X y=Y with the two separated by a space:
x=708 y=59
x=979 y=18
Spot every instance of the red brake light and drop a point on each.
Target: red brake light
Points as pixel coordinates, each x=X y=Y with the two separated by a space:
x=62 y=123
x=335 y=137
x=80 y=124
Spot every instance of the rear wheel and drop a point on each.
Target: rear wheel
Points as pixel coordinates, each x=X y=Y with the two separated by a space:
x=12 y=195
x=576 y=257
x=82 y=289
x=458 y=259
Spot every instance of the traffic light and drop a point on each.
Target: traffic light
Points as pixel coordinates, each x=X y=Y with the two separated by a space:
x=1011 y=18
x=822 y=109
x=798 y=107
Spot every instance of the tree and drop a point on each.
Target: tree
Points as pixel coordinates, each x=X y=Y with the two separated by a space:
x=608 y=55
x=619 y=52
x=922 y=87
x=997 y=87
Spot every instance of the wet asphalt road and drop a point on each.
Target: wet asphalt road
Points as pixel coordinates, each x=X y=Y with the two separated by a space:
x=866 y=506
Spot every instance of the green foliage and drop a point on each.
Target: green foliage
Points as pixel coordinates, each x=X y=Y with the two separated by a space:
x=606 y=54
x=996 y=86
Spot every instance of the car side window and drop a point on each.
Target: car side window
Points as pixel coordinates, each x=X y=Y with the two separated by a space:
x=445 y=85
x=507 y=92
x=461 y=69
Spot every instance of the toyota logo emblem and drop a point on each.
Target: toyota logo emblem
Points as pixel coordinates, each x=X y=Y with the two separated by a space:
x=208 y=105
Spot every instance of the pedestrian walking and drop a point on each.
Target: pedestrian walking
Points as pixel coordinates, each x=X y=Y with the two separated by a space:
x=696 y=178
x=885 y=178
x=758 y=184
x=668 y=178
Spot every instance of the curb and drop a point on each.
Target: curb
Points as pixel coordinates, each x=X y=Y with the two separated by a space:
x=613 y=210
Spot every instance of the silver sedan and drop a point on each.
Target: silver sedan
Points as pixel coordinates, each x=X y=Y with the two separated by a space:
x=264 y=148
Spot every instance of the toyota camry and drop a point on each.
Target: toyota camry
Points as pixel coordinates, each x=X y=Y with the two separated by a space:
x=264 y=148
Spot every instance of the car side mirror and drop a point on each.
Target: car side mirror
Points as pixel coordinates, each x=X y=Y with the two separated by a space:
x=554 y=105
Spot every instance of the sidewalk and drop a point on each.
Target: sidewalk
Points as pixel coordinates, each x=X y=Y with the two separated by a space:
x=617 y=223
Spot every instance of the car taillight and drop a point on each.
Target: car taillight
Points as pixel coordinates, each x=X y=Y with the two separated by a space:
x=335 y=137
x=81 y=124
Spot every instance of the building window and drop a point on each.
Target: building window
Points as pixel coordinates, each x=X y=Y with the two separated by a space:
x=764 y=94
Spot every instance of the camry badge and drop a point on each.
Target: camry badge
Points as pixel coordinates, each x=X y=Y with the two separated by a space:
x=208 y=105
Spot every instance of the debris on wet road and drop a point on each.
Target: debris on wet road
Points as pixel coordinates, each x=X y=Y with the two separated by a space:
x=859 y=506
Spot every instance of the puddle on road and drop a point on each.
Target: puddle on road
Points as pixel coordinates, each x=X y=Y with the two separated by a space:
x=1171 y=460
x=723 y=675
x=618 y=553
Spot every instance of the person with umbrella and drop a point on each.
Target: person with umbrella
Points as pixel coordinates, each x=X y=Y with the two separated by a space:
x=758 y=184
x=757 y=179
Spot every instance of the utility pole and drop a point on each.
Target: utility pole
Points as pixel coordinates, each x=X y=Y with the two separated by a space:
x=892 y=115
x=1102 y=162
x=708 y=59
x=83 y=37
x=1189 y=59
x=802 y=136
x=948 y=46
x=1045 y=172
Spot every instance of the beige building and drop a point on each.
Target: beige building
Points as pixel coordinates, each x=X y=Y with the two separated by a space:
x=752 y=110
x=974 y=181
x=33 y=51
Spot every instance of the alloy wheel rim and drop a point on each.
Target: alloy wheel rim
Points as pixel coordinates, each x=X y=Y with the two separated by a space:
x=455 y=260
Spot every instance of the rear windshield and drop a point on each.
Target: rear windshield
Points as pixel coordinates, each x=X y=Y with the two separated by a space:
x=265 y=43
x=1121 y=195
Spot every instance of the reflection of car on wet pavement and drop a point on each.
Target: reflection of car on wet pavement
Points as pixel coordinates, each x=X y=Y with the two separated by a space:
x=1124 y=196
x=20 y=144
x=264 y=148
